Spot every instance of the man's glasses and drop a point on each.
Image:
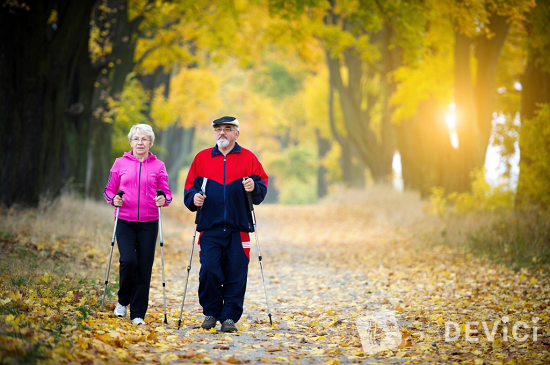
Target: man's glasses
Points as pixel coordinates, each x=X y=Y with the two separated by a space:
x=225 y=129
x=143 y=140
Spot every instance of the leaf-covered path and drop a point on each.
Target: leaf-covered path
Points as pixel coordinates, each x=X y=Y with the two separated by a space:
x=326 y=267
x=330 y=268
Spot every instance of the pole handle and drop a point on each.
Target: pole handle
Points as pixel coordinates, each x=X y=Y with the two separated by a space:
x=199 y=210
x=120 y=193
x=249 y=197
x=160 y=192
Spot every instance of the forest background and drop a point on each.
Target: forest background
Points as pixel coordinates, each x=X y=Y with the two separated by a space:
x=327 y=93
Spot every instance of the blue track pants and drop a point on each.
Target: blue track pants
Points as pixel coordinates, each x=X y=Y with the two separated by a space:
x=224 y=258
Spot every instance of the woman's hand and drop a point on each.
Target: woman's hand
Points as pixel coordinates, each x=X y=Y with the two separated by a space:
x=160 y=200
x=118 y=201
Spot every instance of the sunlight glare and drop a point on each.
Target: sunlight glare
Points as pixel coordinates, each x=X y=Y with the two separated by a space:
x=450 y=119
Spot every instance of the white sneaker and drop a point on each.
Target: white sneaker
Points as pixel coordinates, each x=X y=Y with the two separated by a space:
x=138 y=321
x=120 y=310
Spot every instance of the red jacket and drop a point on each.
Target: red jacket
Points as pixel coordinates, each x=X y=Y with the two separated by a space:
x=226 y=204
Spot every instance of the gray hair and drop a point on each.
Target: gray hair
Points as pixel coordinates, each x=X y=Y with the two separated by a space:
x=143 y=128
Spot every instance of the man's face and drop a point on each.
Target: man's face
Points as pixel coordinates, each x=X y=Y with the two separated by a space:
x=225 y=135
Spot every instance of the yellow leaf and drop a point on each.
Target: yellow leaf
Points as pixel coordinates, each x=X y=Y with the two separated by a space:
x=533 y=281
x=166 y=358
x=123 y=355
x=83 y=344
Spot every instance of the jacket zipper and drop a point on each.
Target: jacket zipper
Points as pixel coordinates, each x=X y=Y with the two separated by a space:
x=224 y=203
x=139 y=188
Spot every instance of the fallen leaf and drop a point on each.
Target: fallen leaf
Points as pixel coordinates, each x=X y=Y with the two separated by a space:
x=233 y=360
x=221 y=347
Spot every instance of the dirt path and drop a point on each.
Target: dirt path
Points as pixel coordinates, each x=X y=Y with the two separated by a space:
x=329 y=266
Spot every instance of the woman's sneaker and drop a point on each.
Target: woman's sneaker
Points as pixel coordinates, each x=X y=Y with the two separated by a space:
x=209 y=322
x=138 y=321
x=120 y=310
x=229 y=326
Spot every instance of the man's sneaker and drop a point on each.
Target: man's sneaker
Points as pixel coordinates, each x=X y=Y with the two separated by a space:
x=138 y=321
x=209 y=322
x=120 y=310
x=229 y=326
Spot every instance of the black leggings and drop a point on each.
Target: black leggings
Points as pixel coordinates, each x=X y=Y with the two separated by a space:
x=136 y=244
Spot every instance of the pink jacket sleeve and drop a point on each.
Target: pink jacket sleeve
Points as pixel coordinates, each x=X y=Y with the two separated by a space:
x=112 y=184
x=162 y=184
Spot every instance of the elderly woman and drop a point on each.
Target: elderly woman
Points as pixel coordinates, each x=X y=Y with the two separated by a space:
x=139 y=174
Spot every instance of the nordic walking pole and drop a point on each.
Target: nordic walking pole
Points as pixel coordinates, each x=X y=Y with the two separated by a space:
x=199 y=209
x=119 y=193
x=160 y=192
x=251 y=206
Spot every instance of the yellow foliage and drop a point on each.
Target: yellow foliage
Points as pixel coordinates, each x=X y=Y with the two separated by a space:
x=534 y=184
x=53 y=17
x=161 y=110
x=193 y=96
x=433 y=75
x=437 y=201
x=482 y=198
x=331 y=161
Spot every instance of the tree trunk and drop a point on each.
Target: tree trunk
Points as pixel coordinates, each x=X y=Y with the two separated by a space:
x=38 y=63
x=475 y=104
x=392 y=59
x=535 y=90
x=115 y=67
x=426 y=150
x=359 y=132
x=323 y=146
x=353 y=169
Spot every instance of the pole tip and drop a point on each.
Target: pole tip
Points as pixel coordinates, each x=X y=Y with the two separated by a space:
x=270 y=321
x=179 y=323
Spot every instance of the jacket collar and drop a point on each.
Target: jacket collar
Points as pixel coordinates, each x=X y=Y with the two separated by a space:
x=132 y=157
x=216 y=151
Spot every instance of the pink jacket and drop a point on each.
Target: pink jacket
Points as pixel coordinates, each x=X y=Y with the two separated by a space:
x=139 y=181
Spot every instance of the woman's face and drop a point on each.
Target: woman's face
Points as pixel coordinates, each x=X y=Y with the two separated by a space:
x=140 y=143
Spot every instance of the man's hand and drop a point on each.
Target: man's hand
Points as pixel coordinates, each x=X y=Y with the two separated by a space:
x=160 y=200
x=248 y=184
x=118 y=201
x=198 y=199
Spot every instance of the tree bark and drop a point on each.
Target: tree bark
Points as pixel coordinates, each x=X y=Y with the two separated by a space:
x=323 y=146
x=535 y=91
x=426 y=150
x=114 y=67
x=475 y=104
x=38 y=63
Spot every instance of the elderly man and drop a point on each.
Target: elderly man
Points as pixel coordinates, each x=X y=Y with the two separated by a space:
x=218 y=181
